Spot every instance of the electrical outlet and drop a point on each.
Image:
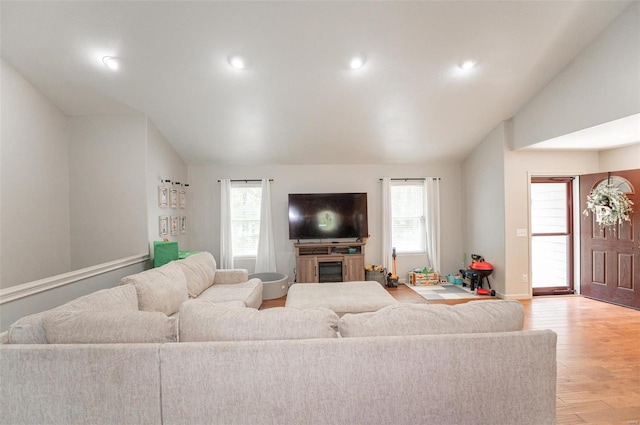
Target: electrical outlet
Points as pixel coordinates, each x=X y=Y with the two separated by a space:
x=521 y=233
x=525 y=278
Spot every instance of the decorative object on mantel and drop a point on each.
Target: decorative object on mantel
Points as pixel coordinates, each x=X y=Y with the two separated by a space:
x=609 y=204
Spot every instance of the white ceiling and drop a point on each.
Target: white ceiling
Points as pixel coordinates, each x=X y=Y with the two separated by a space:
x=297 y=102
x=613 y=134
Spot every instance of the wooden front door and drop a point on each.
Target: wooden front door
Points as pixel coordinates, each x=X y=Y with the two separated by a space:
x=610 y=260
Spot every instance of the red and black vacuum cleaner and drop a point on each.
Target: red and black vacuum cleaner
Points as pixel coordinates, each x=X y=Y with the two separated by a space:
x=478 y=271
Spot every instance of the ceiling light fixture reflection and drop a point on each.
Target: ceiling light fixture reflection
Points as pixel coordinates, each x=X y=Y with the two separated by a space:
x=468 y=64
x=356 y=62
x=237 y=62
x=111 y=62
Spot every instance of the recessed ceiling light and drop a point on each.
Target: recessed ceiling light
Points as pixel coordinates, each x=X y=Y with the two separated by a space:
x=356 y=62
x=468 y=64
x=111 y=62
x=237 y=62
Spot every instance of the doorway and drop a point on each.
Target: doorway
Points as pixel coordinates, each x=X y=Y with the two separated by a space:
x=552 y=235
x=610 y=258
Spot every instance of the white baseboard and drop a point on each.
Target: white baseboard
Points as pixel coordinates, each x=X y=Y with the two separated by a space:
x=514 y=296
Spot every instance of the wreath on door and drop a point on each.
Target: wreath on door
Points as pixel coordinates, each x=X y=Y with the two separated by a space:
x=609 y=205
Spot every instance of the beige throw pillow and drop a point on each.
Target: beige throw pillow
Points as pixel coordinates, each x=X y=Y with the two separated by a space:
x=108 y=327
x=428 y=319
x=163 y=289
x=206 y=321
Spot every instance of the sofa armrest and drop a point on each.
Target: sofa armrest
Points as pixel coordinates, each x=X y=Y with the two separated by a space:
x=227 y=276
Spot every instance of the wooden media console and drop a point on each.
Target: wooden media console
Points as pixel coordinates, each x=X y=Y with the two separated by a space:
x=329 y=262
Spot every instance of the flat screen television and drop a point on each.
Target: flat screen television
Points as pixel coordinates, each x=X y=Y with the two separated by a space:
x=328 y=215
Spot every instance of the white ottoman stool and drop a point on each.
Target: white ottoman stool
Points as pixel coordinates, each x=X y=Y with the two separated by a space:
x=341 y=297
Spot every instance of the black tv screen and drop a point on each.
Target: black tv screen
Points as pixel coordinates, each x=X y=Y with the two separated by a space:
x=327 y=215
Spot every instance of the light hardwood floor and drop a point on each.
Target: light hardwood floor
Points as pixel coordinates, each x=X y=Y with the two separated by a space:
x=598 y=355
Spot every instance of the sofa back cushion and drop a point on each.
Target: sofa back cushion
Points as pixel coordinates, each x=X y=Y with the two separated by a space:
x=206 y=321
x=108 y=327
x=199 y=270
x=29 y=330
x=163 y=289
x=428 y=319
x=205 y=260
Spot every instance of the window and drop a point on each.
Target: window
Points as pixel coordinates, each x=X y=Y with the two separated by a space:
x=408 y=217
x=245 y=218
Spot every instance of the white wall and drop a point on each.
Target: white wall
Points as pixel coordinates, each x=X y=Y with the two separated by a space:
x=497 y=203
x=624 y=158
x=35 y=183
x=108 y=192
x=600 y=85
x=42 y=151
x=116 y=152
x=483 y=205
x=205 y=207
x=519 y=167
x=163 y=163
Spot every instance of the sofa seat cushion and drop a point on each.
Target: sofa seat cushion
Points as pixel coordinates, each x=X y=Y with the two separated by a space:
x=163 y=289
x=108 y=327
x=428 y=319
x=29 y=330
x=200 y=272
x=249 y=292
x=206 y=321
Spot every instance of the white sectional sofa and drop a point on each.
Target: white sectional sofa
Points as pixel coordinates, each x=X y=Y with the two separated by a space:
x=218 y=362
x=166 y=288
x=160 y=290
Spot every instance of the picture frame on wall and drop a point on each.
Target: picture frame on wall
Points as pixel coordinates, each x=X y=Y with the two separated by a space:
x=183 y=224
x=182 y=199
x=163 y=196
x=173 y=198
x=163 y=224
x=174 y=225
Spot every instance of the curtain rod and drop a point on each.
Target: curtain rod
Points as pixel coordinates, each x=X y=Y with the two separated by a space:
x=247 y=180
x=414 y=178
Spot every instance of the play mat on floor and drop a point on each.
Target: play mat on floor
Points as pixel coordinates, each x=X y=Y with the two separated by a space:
x=445 y=291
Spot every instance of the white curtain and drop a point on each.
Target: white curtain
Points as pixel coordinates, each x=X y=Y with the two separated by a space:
x=226 y=245
x=385 y=245
x=266 y=256
x=432 y=216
